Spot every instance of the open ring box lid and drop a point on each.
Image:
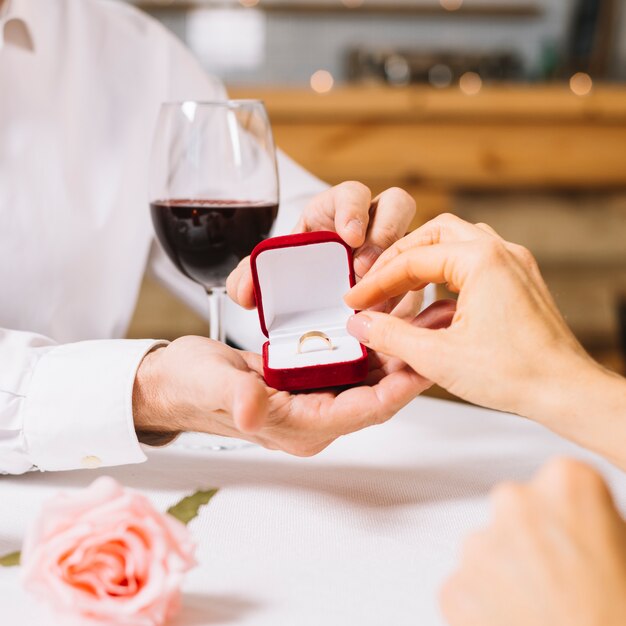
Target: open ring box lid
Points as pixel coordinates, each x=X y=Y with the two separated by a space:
x=299 y=284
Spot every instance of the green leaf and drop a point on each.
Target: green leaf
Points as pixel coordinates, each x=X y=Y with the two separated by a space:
x=10 y=560
x=188 y=507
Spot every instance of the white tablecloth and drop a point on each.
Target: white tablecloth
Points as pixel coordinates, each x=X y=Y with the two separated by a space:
x=360 y=535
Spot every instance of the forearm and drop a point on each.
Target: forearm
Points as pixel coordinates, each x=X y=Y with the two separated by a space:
x=587 y=404
x=153 y=421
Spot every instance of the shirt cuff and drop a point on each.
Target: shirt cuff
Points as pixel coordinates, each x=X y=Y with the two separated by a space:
x=78 y=411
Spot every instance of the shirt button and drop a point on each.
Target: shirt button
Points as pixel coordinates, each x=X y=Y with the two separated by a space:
x=91 y=462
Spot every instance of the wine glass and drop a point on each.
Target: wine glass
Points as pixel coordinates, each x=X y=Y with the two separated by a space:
x=213 y=190
x=213 y=198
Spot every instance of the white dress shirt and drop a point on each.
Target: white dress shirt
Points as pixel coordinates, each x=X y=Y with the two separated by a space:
x=81 y=82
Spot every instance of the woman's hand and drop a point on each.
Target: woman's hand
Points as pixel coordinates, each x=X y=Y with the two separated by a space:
x=368 y=225
x=507 y=348
x=554 y=553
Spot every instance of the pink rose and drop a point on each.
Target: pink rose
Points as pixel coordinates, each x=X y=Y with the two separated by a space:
x=106 y=556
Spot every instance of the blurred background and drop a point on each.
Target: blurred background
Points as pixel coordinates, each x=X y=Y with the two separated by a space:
x=508 y=112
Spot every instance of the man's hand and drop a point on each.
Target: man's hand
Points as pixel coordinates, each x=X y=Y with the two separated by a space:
x=554 y=553
x=368 y=225
x=201 y=385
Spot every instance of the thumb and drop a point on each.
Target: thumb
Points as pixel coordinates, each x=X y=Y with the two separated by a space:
x=419 y=347
x=247 y=400
x=240 y=286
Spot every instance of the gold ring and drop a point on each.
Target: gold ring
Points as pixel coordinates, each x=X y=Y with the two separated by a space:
x=315 y=334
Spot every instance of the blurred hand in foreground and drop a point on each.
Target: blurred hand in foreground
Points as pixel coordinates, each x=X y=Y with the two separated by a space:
x=553 y=553
x=507 y=347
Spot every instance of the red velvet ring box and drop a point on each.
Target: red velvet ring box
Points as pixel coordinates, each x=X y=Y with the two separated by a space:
x=299 y=284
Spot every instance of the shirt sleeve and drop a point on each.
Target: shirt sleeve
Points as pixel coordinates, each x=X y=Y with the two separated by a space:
x=67 y=406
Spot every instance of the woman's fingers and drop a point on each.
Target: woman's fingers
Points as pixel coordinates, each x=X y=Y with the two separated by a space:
x=445 y=228
x=449 y=263
x=419 y=347
x=412 y=270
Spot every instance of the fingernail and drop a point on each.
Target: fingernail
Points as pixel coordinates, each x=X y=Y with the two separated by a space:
x=355 y=226
x=359 y=327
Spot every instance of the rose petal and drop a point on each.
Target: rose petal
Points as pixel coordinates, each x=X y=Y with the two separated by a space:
x=107 y=556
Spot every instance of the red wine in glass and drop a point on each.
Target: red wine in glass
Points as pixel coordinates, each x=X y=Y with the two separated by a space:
x=206 y=239
x=213 y=190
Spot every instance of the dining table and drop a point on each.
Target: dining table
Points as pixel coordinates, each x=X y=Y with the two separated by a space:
x=362 y=534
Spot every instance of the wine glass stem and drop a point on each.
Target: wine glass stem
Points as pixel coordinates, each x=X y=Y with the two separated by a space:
x=217 y=298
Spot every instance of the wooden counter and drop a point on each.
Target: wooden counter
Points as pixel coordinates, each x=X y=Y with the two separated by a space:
x=438 y=142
